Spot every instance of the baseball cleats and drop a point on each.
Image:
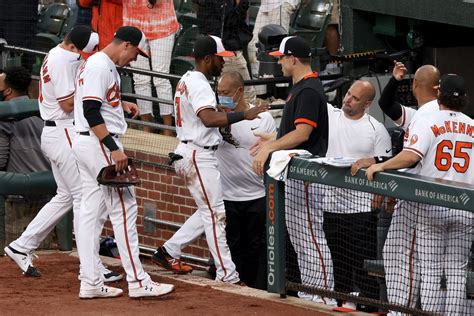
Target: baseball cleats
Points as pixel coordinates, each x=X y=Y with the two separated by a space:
x=163 y=259
x=152 y=289
x=23 y=260
x=101 y=292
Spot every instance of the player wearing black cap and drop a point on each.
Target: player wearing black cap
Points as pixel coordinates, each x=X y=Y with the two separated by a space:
x=442 y=143
x=99 y=117
x=304 y=125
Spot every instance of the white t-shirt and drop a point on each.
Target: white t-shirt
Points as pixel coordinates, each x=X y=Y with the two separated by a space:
x=99 y=80
x=444 y=142
x=194 y=94
x=239 y=181
x=57 y=82
x=362 y=138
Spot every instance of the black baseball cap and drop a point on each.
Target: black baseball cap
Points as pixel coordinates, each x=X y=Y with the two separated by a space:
x=293 y=45
x=135 y=37
x=452 y=84
x=210 y=45
x=84 y=38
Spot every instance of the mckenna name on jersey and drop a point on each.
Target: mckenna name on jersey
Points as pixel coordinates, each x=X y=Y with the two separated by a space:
x=453 y=127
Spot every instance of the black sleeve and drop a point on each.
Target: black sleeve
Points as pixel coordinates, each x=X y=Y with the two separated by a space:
x=387 y=101
x=308 y=103
x=92 y=112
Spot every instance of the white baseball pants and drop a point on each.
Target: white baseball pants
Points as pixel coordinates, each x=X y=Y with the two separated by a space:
x=401 y=260
x=198 y=168
x=56 y=144
x=445 y=238
x=304 y=222
x=121 y=207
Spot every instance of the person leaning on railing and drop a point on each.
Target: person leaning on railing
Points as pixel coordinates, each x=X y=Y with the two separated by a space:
x=442 y=143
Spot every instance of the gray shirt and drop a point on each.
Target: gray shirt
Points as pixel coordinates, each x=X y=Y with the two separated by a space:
x=20 y=145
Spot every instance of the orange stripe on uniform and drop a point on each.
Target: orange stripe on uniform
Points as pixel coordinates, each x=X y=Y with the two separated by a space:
x=65 y=97
x=212 y=216
x=68 y=138
x=308 y=214
x=124 y=214
x=306 y=121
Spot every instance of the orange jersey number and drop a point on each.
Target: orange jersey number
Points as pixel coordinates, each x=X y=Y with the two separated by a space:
x=444 y=156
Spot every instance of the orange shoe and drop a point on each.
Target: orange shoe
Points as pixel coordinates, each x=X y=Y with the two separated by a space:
x=163 y=259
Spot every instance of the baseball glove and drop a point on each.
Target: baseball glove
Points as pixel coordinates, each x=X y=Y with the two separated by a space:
x=108 y=176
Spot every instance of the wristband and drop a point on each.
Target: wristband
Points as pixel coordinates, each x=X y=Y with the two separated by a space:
x=235 y=117
x=109 y=142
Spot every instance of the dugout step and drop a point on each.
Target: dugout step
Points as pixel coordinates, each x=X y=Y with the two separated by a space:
x=375 y=268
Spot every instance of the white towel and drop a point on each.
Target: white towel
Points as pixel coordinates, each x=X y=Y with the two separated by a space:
x=279 y=163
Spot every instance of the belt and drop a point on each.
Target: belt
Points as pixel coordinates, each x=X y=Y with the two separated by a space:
x=205 y=147
x=87 y=133
x=52 y=123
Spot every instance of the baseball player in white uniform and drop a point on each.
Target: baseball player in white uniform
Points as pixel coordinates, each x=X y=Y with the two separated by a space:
x=100 y=122
x=56 y=103
x=197 y=120
x=349 y=223
x=442 y=143
x=401 y=262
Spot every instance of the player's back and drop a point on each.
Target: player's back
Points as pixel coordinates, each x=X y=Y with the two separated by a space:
x=451 y=147
x=194 y=94
x=57 y=82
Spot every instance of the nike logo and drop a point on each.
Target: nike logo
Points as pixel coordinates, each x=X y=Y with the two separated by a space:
x=253 y=128
x=388 y=150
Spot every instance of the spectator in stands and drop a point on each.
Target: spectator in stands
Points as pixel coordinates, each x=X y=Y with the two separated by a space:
x=157 y=19
x=233 y=30
x=106 y=18
x=331 y=38
x=304 y=125
x=269 y=12
x=84 y=14
x=242 y=189
x=20 y=141
x=350 y=224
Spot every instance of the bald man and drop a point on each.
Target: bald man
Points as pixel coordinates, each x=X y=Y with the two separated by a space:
x=401 y=261
x=350 y=224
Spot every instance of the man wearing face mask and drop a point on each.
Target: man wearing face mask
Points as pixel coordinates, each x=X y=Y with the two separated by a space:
x=243 y=191
x=197 y=123
x=20 y=147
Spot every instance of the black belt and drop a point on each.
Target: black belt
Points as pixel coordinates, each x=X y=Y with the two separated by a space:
x=89 y=134
x=205 y=147
x=52 y=123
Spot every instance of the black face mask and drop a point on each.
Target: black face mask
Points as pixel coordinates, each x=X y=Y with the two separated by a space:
x=2 y=97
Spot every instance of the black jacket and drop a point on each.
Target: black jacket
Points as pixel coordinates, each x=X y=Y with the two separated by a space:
x=225 y=19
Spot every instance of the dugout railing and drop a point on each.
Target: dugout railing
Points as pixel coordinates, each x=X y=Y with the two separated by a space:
x=399 y=185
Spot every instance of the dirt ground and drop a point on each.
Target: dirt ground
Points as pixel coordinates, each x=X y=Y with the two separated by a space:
x=56 y=293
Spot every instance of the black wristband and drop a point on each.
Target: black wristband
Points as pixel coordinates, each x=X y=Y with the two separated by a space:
x=235 y=117
x=109 y=142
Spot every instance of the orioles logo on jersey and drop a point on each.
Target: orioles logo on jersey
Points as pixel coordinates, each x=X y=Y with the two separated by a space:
x=414 y=139
x=113 y=96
